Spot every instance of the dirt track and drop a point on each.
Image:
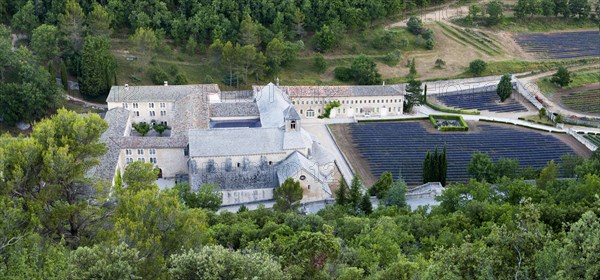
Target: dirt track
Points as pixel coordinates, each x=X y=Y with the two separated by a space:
x=341 y=133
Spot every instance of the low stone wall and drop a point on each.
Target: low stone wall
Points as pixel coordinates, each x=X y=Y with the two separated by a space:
x=231 y=197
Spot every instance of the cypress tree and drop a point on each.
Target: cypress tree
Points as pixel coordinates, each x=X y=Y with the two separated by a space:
x=355 y=192
x=427 y=167
x=342 y=192
x=365 y=204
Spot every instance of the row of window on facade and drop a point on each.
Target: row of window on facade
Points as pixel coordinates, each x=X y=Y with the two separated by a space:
x=150 y=105
x=152 y=113
x=311 y=112
x=151 y=160
x=140 y=151
x=381 y=101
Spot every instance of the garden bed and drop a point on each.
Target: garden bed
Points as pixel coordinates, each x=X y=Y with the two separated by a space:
x=448 y=123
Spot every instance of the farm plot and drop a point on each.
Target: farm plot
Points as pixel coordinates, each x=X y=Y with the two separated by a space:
x=481 y=101
x=401 y=147
x=477 y=39
x=561 y=45
x=595 y=139
x=584 y=101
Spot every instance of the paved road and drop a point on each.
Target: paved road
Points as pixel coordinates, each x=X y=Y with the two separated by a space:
x=318 y=130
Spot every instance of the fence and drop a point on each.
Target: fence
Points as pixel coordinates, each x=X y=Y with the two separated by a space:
x=582 y=139
x=521 y=89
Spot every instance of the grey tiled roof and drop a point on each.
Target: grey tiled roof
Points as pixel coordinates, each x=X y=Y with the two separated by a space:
x=291 y=114
x=271 y=103
x=297 y=163
x=157 y=93
x=321 y=155
x=235 y=141
x=236 y=109
x=296 y=140
x=342 y=91
x=117 y=120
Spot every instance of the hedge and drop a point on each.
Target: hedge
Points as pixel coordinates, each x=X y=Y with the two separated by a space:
x=452 y=110
x=462 y=121
x=393 y=120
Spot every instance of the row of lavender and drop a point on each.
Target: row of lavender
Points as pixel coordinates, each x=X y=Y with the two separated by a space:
x=561 y=45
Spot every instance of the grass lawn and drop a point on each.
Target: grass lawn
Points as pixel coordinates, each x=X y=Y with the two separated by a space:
x=536 y=119
x=579 y=78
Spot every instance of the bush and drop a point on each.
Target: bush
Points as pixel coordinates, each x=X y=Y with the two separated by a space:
x=429 y=44
x=477 y=66
x=157 y=75
x=415 y=25
x=392 y=58
x=439 y=63
x=343 y=74
x=320 y=63
x=181 y=79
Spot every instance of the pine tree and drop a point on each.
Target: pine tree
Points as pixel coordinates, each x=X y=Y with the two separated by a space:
x=118 y=181
x=365 y=204
x=355 y=192
x=435 y=166
x=413 y=69
x=342 y=192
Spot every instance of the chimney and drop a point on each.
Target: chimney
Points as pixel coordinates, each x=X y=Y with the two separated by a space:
x=126 y=86
x=384 y=83
x=277 y=81
x=166 y=83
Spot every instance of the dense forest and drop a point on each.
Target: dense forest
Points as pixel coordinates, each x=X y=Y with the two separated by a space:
x=58 y=223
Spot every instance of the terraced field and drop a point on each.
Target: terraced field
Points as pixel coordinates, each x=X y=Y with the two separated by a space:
x=594 y=138
x=585 y=101
x=561 y=45
x=401 y=147
x=477 y=39
x=481 y=101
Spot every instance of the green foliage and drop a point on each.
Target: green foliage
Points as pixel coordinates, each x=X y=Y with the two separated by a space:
x=181 y=79
x=98 y=67
x=355 y=193
x=157 y=75
x=343 y=74
x=383 y=184
x=145 y=42
x=216 y=262
x=412 y=72
x=414 y=95
x=542 y=113
x=140 y=176
x=287 y=196
x=342 y=194
x=481 y=167
x=494 y=11
x=415 y=25
x=504 y=89
x=160 y=128
x=548 y=174
x=142 y=128
x=365 y=204
x=326 y=38
x=105 y=261
x=44 y=42
x=364 y=71
x=392 y=58
x=98 y=21
x=25 y=20
x=208 y=196
x=562 y=77
x=63 y=75
x=477 y=66
x=396 y=195
x=435 y=166
x=330 y=106
x=440 y=63
x=320 y=63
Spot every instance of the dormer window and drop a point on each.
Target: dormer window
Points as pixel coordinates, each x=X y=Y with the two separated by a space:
x=293 y=125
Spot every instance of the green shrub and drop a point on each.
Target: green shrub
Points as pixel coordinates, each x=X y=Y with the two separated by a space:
x=343 y=74
x=452 y=110
x=157 y=75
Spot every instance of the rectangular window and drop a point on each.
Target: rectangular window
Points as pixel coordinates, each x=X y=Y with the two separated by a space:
x=129 y=160
x=152 y=151
x=136 y=113
x=150 y=105
x=128 y=152
x=135 y=105
x=153 y=160
x=124 y=105
x=140 y=152
x=141 y=159
x=163 y=113
x=152 y=113
x=162 y=105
